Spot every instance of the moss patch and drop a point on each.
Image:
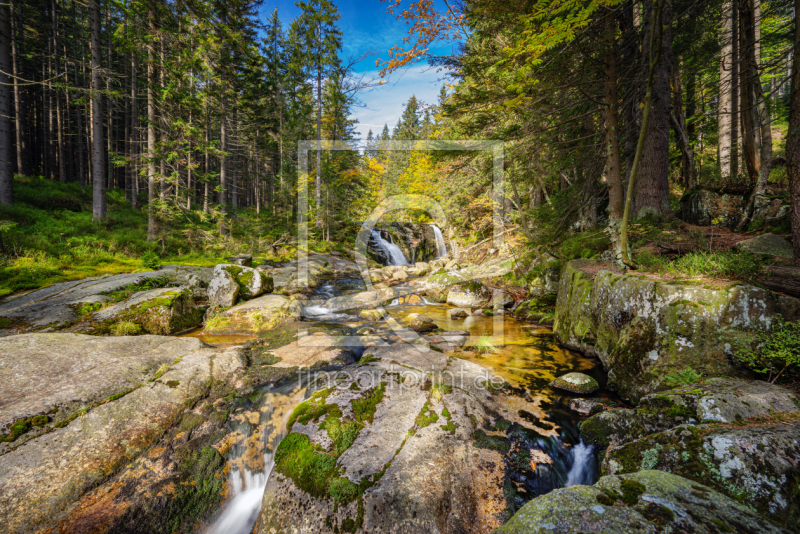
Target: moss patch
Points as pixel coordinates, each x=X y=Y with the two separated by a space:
x=364 y=408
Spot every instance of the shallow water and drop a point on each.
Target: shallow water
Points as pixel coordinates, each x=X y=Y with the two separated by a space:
x=526 y=356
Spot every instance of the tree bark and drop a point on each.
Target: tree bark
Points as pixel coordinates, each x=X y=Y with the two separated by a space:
x=78 y=109
x=681 y=134
x=793 y=138
x=750 y=141
x=151 y=127
x=18 y=105
x=613 y=174
x=651 y=191
x=656 y=35
x=98 y=178
x=62 y=171
x=753 y=80
x=6 y=164
x=319 y=130
x=725 y=93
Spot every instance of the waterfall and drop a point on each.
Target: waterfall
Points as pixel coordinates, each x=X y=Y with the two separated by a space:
x=582 y=470
x=441 y=248
x=393 y=252
x=248 y=481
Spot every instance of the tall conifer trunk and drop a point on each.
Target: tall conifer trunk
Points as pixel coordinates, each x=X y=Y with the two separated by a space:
x=98 y=177
x=6 y=165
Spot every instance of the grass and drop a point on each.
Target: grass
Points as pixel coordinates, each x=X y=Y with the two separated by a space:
x=725 y=265
x=49 y=236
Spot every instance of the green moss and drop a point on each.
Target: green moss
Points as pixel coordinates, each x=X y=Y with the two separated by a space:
x=364 y=408
x=18 y=428
x=631 y=491
x=450 y=426
x=368 y=358
x=482 y=440
x=342 y=434
x=426 y=416
x=310 y=469
x=354 y=386
x=313 y=409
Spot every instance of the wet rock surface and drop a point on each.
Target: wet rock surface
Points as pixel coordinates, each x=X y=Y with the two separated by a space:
x=643 y=502
x=388 y=431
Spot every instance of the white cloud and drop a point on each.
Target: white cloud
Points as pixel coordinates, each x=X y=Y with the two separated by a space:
x=384 y=104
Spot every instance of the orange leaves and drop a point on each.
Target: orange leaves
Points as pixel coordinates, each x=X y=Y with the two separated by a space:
x=427 y=25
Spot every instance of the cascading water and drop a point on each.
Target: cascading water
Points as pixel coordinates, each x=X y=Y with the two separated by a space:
x=393 y=252
x=583 y=465
x=441 y=248
x=252 y=459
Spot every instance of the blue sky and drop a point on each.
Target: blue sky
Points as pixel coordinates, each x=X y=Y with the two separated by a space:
x=366 y=25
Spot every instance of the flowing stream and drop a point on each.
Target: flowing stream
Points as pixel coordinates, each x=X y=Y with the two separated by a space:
x=441 y=248
x=263 y=425
x=393 y=252
x=527 y=357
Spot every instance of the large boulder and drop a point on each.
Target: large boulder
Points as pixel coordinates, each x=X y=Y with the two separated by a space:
x=252 y=317
x=439 y=282
x=757 y=465
x=252 y=282
x=223 y=290
x=767 y=244
x=736 y=436
x=158 y=311
x=703 y=206
x=419 y=322
x=468 y=294
x=643 y=330
x=647 y=502
x=578 y=383
x=386 y=447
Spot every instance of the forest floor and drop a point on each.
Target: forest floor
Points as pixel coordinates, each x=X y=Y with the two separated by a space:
x=48 y=236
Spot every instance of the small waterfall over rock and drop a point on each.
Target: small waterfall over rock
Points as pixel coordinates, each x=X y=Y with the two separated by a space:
x=441 y=248
x=583 y=465
x=252 y=459
x=393 y=252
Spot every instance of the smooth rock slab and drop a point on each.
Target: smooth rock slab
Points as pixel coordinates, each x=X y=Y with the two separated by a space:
x=56 y=469
x=576 y=383
x=716 y=400
x=53 y=307
x=424 y=478
x=645 y=502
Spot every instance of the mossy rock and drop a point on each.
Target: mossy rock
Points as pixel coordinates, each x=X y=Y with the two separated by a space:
x=645 y=502
x=576 y=383
x=468 y=294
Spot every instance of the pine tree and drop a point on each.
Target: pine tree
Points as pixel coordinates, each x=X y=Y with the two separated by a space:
x=323 y=40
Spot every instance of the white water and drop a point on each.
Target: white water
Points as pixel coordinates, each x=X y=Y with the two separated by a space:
x=241 y=511
x=441 y=248
x=582 y=470
x=393 y=252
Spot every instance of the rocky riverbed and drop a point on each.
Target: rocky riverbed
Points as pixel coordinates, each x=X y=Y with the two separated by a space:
x=398 y=399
